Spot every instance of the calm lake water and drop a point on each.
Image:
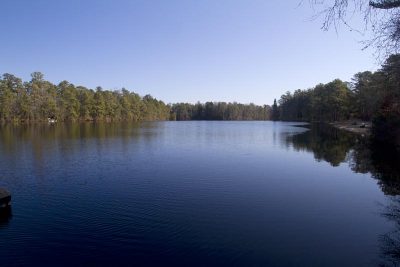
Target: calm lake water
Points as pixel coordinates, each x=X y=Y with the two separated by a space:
x=196 y=194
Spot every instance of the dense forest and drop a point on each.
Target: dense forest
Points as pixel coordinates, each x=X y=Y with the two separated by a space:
x=39 y=100
x=219 y=111
x=370 y=96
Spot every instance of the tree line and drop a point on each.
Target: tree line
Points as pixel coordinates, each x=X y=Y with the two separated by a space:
x=40 y=100
x=219 y=111
x=371 y=96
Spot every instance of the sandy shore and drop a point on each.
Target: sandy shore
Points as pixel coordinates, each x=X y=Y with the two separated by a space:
x=359 y=127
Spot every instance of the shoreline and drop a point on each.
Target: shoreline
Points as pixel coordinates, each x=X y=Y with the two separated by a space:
x=354 y=126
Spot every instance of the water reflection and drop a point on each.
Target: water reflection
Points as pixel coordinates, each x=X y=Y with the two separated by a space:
x=327 y=143
x=11 y=135
x=5 y=216
x=363 y=156
x=234 y=190
x=390 y=242
x=43 y=143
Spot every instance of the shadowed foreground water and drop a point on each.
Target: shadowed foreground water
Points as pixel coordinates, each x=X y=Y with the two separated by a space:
x=196 y=193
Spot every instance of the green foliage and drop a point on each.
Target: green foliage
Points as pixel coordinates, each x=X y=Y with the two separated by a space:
x=370 y=96
x=367 y=94
x=325 y=102
x=154 y=109
x=386 y=122
x=38 y=100
x=219 y=111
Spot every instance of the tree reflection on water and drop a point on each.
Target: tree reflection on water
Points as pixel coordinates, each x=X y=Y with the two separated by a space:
x=363 y=156
x=5 y=216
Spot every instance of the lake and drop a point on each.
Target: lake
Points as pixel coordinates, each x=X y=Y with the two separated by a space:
x=197 y=193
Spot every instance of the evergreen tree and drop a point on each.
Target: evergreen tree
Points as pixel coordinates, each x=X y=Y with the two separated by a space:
x=275 y=111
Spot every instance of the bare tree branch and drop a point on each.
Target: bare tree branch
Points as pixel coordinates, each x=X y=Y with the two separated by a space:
x=387 y=4
x=381 y=18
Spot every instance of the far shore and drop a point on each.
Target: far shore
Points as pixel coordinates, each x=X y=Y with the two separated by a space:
x=354 y=126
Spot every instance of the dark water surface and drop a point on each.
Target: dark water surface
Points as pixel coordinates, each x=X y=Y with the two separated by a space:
x=196 y=194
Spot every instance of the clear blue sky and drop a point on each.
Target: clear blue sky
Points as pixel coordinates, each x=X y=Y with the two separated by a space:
x=178 y=51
